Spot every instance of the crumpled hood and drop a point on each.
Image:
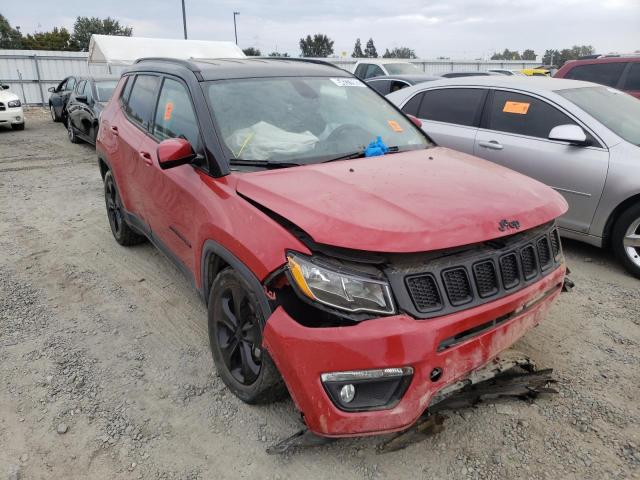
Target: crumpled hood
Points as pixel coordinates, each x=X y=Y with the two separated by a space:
x=406 y=202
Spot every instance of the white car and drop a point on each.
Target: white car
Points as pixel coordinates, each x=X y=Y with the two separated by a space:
x=10 y=109
x=374 y=67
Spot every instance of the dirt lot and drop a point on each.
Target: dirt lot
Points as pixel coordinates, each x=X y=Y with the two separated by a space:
x=105 y=370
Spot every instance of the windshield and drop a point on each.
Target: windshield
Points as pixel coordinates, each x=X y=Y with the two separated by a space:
x=104 y=89
x=616 y=110
x=401 y=68
x=305 y=119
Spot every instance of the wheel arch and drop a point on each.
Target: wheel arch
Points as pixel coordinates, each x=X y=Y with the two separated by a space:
x=214 y=259
x=613 y=217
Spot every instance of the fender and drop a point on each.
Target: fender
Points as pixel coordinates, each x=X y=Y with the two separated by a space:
x=212 y=247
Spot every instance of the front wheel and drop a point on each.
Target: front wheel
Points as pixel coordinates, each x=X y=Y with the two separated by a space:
x=54 y=115
x=73 y=138
x=625 y=239
x=235 y=333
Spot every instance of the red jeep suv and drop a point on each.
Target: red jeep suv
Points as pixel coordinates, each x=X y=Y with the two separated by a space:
x=621 y=72
x=343 y=257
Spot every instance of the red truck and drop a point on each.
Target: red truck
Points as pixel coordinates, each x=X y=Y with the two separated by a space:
x=343 y=257
x=621 y=72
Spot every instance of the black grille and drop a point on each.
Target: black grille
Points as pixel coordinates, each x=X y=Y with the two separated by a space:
x=456 y=282
x=555 y=242
x=424 y=293
x=486 y=278
x=509 y=270
x=529 y=262
x=2 y=107
x=544 y=252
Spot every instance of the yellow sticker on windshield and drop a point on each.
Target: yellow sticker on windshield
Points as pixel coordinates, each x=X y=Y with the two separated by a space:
x=168 y=110
x=395 y=126
x=520 y=108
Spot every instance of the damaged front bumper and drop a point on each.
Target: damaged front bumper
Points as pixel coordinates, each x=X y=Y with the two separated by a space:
x=438 y=352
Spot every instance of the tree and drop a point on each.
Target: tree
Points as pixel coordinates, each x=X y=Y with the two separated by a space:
x=506 y=55
x=252 y=52
x=84 y=27
x=399 y=52
x=370 y=50
x=559 y=57
x=56 y=39
x=318 y=46
x=9 y=37
x=528 y=54
x=278 y=54
x=357 y=50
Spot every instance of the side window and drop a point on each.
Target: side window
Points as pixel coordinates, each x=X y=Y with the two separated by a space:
x=412 y=106
x=374 y=70
x=142 y=99
x=88 y=91
x=80 y=87
x=397 y=85
x=633 y=77
x=460 y=106
x=70 y=84
x=603 y=73
x=175 y=116
x=124 y=96
x=360 y=70
x=524 y=115
x=380 y=86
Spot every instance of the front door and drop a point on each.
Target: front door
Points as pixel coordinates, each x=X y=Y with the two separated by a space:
x=515 y=134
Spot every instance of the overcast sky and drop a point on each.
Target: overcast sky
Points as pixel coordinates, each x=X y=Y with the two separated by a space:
x=455 y=28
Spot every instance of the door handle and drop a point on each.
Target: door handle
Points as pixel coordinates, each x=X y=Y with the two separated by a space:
x=114 y=130
x=493 y=145
x=146 y=158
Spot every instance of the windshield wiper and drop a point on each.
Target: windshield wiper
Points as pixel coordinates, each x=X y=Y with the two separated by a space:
x=359 y=154
x=261 y=163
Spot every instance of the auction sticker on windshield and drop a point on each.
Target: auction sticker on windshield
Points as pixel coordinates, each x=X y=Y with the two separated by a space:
x=347 y=82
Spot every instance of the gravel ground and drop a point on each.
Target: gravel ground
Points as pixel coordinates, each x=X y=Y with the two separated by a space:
x=105 y=370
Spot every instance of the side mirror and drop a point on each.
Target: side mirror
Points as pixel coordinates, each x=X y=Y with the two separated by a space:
x=569 y=133
x=81 y=98
x=51 y=89
x=174 y=152
x=416 y=121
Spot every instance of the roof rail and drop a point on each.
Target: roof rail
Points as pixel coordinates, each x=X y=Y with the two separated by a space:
x=185 y=63
x=304 y=60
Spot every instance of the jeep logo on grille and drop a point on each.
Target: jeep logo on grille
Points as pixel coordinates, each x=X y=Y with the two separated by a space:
x=505 y=225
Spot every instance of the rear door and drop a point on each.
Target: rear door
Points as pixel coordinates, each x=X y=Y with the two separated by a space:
x=514 y=133
x=131 y=130
x=451 y=116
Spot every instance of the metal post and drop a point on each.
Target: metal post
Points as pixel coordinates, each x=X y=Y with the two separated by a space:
x=235 y=29
x=35 y=59
x=184 y=20
x=24 y=97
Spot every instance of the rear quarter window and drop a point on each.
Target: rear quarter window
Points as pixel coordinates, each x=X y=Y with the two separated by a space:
x=603 y=73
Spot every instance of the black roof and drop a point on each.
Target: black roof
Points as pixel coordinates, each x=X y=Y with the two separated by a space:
x=227 y=68
x=413 y=78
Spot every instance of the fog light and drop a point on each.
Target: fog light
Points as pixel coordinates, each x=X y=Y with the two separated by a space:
x=347 y=393
x=378 y=389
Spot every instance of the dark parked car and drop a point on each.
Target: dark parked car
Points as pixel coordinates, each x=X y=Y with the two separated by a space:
x=59 y=97
x=621 y=72
x=84 y=107
x=391 y=83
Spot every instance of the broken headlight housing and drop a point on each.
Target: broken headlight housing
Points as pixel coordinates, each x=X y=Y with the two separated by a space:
x=339 y=288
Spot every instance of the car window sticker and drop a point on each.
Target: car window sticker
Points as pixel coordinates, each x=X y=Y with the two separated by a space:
x=168 y=111
x=520 y=108
x=347 y=82
x=395 y=126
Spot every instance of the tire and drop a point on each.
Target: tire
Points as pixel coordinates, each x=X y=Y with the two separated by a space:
x=625 y=239
x=17 y=126
x=54 y=115
x=235 y=334
x=120 y=229
x=71 y=133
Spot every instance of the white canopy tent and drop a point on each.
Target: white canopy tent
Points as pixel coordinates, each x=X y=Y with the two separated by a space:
x=117 y=50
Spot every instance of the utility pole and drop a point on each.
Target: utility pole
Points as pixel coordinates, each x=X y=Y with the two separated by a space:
x=184 y=20
x=235 y=29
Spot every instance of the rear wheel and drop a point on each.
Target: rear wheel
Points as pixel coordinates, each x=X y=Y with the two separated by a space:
x=625 y=239
x=235 y=334
x=121 y=230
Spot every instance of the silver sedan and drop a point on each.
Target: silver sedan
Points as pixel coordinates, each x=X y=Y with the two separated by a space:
x=580 y=138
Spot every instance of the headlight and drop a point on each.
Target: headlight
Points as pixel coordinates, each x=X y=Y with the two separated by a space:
x=14 y=103
x=342 y=290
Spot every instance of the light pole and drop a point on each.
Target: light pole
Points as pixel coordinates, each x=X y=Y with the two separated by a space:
x=235 y=29
x=184 y=20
